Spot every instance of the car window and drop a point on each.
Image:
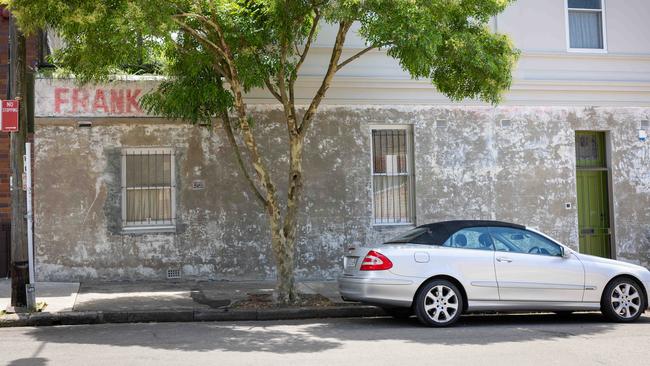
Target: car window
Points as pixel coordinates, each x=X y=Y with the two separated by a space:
x=508 y=239
x=470 y=238
x=408 y=236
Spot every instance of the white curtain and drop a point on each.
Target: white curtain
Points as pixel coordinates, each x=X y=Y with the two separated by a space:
x=145 y=205
x=585 y=29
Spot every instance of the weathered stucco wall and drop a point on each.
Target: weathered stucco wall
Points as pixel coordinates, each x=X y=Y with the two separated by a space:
x=467 y=165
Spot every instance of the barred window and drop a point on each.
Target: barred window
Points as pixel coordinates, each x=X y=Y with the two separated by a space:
x=391 y=175
x=148 y=189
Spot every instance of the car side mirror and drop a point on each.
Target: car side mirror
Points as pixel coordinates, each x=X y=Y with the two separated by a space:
x=564 y=252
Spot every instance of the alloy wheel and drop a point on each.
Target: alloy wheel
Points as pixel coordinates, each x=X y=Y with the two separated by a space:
x=441 y=304
x=626 y=300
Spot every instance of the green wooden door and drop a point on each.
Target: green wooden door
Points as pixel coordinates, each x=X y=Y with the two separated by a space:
x=593 y=194
x=593 y=213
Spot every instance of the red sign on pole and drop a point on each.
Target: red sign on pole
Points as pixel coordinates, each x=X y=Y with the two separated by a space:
x=9 y=116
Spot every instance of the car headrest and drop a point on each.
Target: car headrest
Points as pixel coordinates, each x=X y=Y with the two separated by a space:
x=485 y=240
x=460 y=240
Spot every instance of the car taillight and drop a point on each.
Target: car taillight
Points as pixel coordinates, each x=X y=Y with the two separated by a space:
x=375 y=261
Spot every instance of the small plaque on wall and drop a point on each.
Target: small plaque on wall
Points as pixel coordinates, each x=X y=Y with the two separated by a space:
x=198 y=185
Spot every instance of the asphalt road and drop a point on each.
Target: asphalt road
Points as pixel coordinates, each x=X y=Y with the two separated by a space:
x=583 y=339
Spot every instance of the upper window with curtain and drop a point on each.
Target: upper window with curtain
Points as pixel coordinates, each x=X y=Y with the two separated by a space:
x=585 y=20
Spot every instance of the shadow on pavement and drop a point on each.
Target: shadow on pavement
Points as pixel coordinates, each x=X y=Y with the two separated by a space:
x=181 y=295
x=32 y=361
x=320 y=335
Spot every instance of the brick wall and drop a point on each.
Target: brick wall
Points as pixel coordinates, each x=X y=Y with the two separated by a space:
x=5 y=169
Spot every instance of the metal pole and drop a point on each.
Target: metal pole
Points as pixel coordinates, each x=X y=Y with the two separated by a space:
x=30 y=217
x=30 y=288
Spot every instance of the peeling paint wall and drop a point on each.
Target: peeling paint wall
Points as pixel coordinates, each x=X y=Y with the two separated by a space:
x=474 y=167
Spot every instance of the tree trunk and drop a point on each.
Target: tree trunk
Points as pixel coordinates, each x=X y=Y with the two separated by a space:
x=284 y=241
x=284 y=259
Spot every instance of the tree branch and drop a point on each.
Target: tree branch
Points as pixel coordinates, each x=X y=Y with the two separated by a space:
x=224 y=50
x=354 y=57
x=271 y=88
x=295 y=48
x=303 y=56
x=327 y=79
x=199 y=37
x=225 y=122
x=202 y=18
x=308 y=42
x=260 y=168
x=268 y=83
x=287 y=106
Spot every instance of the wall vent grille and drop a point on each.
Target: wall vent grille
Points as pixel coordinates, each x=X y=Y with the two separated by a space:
x=441 y=123
x=173 y=274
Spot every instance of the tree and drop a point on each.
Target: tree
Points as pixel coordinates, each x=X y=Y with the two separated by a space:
x=214 y=51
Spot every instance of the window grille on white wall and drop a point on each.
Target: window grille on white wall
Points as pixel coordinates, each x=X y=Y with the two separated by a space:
x=148 y=189
x=392 y=192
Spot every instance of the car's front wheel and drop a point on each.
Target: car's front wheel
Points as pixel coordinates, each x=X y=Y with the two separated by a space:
x=623 y=300
x=438 y=304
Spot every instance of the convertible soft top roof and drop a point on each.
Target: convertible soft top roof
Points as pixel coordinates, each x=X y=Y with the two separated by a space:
x=439 y=232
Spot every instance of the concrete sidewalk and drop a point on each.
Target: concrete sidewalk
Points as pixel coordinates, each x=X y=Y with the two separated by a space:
x=59 y=296
x=119 y=302
x=183 y=295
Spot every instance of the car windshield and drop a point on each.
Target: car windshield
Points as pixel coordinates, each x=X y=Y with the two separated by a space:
x=408 y=236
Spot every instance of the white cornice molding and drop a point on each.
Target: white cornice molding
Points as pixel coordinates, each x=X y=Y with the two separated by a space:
x=526 y=54
x=585 y=56
x=518 y=84
x=399 y=91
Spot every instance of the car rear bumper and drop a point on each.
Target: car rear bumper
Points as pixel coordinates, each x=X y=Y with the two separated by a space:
x=378 y=291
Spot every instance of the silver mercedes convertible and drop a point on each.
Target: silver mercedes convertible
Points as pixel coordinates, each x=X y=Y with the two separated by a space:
x=442 y=270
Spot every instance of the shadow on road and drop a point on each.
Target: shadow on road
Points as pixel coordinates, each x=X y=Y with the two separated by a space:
x=321 y=335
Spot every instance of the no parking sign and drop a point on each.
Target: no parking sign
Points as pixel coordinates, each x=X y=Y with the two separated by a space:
x=9 y=116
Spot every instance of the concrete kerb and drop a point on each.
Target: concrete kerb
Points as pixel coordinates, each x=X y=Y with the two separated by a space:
x=197 y=315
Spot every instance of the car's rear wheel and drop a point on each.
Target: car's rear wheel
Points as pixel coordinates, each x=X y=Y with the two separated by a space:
x=438 y=304
x=623 y=301
x=399 y=313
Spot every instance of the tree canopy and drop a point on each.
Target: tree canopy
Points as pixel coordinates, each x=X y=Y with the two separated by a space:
x=447 y=41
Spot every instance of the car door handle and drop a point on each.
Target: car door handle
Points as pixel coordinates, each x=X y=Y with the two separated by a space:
x=504 y=259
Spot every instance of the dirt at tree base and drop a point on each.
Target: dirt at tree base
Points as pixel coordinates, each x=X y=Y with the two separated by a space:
x=266 y=301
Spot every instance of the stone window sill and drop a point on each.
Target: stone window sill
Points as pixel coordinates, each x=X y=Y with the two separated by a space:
x=166 y=229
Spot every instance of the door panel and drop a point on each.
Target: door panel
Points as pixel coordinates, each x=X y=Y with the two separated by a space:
x=530 y=267
x=593 y=213
x=530 y=277
x=474 y=268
